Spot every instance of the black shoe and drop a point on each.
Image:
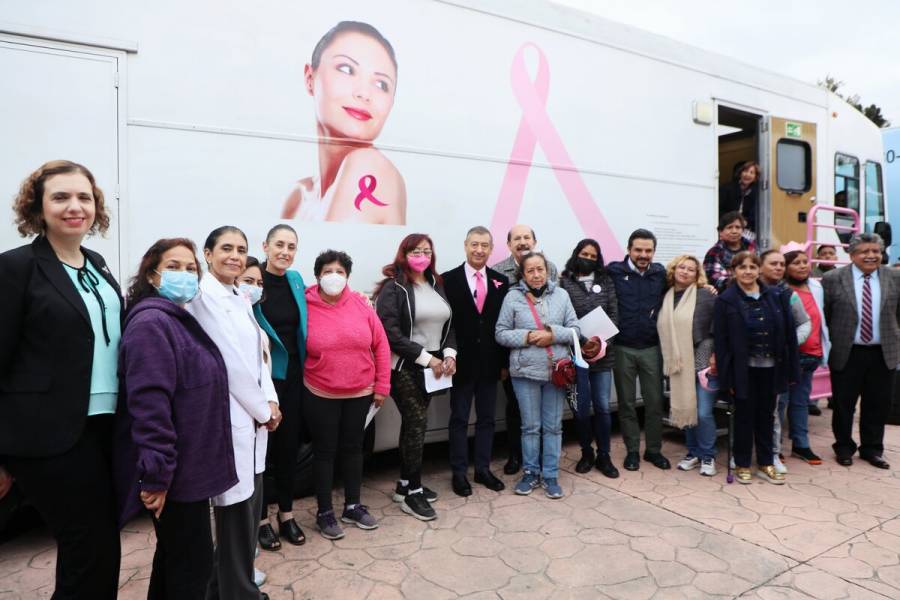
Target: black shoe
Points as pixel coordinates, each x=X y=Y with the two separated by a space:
x=461 y=486
x=844 y=461
x=263 y=596
x=814 y=410
x=489 y=480
x=290 y=531
x=267 y=538
x=605 y=465
x=658 y=460
x=587 y=461
x=401 y=491
x=417 y=506
x=512 y=465
x=876 y=461
x=632 y=461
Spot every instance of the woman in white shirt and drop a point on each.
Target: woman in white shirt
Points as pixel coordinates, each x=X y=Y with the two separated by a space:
x=227 y=318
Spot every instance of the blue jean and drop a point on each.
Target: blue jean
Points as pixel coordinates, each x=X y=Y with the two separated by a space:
x=541 y=405
x=795 y=402
x=593 y=392
x=700 y=439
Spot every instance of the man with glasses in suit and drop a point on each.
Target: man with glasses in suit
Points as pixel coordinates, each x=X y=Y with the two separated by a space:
x=862 y=308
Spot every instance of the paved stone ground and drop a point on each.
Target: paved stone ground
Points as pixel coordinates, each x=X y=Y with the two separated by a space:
x=831 y=532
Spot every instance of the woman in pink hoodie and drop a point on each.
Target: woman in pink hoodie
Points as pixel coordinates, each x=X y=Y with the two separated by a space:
x=348 y=368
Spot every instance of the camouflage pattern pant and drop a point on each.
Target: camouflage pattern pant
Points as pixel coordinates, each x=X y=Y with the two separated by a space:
x=412 y=402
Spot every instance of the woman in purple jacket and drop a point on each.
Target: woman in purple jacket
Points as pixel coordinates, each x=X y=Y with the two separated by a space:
x=174 y=428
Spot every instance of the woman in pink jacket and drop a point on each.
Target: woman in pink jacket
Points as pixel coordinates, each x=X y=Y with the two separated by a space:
x=348 y=368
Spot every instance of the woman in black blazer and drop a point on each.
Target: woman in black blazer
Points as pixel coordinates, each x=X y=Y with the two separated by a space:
x=58 y=386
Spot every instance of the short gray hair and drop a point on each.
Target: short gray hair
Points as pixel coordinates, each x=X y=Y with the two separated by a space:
x=480 y=230
x=865 y=238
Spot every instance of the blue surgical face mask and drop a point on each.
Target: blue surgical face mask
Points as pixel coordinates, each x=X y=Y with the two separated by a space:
x=251 y=292
x=178 y=286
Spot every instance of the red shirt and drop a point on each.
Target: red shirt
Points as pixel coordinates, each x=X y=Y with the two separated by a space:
x=813 y=344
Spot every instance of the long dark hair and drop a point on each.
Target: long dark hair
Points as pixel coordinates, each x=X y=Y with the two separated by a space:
x=400 y=269
x=140 y=286
x=571 y=270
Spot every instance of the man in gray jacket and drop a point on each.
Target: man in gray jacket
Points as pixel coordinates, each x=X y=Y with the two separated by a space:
x=862 y=309
x=520 y=240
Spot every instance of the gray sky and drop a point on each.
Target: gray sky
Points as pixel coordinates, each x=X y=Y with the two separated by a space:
x=858 y=42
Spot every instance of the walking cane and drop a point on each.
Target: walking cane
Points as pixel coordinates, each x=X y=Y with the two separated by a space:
x=730 y=412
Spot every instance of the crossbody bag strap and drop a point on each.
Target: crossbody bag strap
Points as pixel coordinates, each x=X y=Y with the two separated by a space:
x=537 y=321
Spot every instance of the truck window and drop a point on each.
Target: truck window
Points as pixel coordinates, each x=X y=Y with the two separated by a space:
x=874 y=195
x=846 y=181
x=794 y=165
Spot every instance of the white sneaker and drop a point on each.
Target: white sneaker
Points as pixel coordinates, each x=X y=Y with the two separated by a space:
x=779 y=466
x=708 y=467
x=732 y=464
x=688 y=462
x=259 y=577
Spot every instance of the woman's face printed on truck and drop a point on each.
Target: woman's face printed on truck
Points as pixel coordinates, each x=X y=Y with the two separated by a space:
x=353 y=87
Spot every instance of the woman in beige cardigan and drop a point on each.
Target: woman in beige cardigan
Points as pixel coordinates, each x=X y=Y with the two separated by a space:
x=686 y=341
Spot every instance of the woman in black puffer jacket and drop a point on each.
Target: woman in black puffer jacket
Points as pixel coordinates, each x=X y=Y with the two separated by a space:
x=589 y=286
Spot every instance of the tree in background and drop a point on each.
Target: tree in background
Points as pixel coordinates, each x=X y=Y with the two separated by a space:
x=873 y=112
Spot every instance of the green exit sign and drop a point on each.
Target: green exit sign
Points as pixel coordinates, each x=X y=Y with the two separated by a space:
x=793 y=130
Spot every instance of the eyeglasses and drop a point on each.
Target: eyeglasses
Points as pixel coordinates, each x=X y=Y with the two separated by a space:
x=418 y=252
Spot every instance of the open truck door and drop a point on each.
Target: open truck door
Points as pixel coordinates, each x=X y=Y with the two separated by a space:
x=792 y=179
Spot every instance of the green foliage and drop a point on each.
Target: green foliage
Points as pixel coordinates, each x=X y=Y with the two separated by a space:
x=872 y=112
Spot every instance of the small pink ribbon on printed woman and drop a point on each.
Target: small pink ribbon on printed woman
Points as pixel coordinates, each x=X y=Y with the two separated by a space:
x=367 y=185
x=535 y=126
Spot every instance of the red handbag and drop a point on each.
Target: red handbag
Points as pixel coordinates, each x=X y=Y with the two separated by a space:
x=562 y=371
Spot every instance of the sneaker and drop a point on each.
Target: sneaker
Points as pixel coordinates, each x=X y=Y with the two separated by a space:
x=418 y=506
x=359 y=516
x=328 y=526
x=779 y=466
x=259 y=577
x=731 y=464
x=401 y=491
x=527 y=484
x=708 y=467
x=814 y=410
x=552 y=488
x=770 y=474
x=743 y=475
x=807 y=455
x=688 y=462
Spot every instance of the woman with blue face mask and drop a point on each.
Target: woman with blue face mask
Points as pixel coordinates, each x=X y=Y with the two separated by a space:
x=173 y=439
x=250 y=283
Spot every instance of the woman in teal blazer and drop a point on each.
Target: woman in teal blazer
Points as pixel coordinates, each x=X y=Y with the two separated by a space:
x=282 y=315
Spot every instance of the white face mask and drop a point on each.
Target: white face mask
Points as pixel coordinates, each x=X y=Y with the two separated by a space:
x=333 y=283
x=253 y=293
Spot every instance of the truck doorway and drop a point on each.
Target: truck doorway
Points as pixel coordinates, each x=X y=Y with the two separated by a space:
x=739 y=144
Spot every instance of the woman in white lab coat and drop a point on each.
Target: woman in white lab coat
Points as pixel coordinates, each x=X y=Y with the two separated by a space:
x=227 y=318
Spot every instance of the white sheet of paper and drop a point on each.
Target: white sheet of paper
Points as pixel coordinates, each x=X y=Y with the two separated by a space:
x=373 y=410
x=597 y=323
x=435 y=384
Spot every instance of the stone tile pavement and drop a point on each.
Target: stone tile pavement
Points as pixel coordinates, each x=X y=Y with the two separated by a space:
x=831 y=532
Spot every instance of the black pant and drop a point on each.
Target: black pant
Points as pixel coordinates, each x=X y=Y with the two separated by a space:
x=754 y=419
x=281 y=455
x=73 y=493
x=864 y=376
x=485 y=393
x=182 y=564
x=513 y=420
x=336 y=425
x=408 y=392
x=236 y=535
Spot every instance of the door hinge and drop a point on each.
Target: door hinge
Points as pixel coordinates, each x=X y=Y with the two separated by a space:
x=763 y=126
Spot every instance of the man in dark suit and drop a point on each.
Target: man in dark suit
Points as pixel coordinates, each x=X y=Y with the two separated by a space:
x=475 y=293
x=862 y=308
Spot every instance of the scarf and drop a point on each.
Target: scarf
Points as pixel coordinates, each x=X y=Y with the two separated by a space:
x=676 y=340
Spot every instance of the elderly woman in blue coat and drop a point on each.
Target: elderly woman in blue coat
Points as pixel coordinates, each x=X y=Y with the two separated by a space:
x=538 y=323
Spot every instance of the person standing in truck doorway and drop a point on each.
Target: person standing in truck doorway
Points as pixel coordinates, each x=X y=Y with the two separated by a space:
x=742 y=195
x=352 y=78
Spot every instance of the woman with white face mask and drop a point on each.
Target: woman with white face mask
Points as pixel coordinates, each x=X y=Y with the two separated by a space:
x=348 y=368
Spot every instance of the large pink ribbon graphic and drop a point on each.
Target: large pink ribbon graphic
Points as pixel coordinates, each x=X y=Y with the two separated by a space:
x=367 y=185
x=536 y=126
